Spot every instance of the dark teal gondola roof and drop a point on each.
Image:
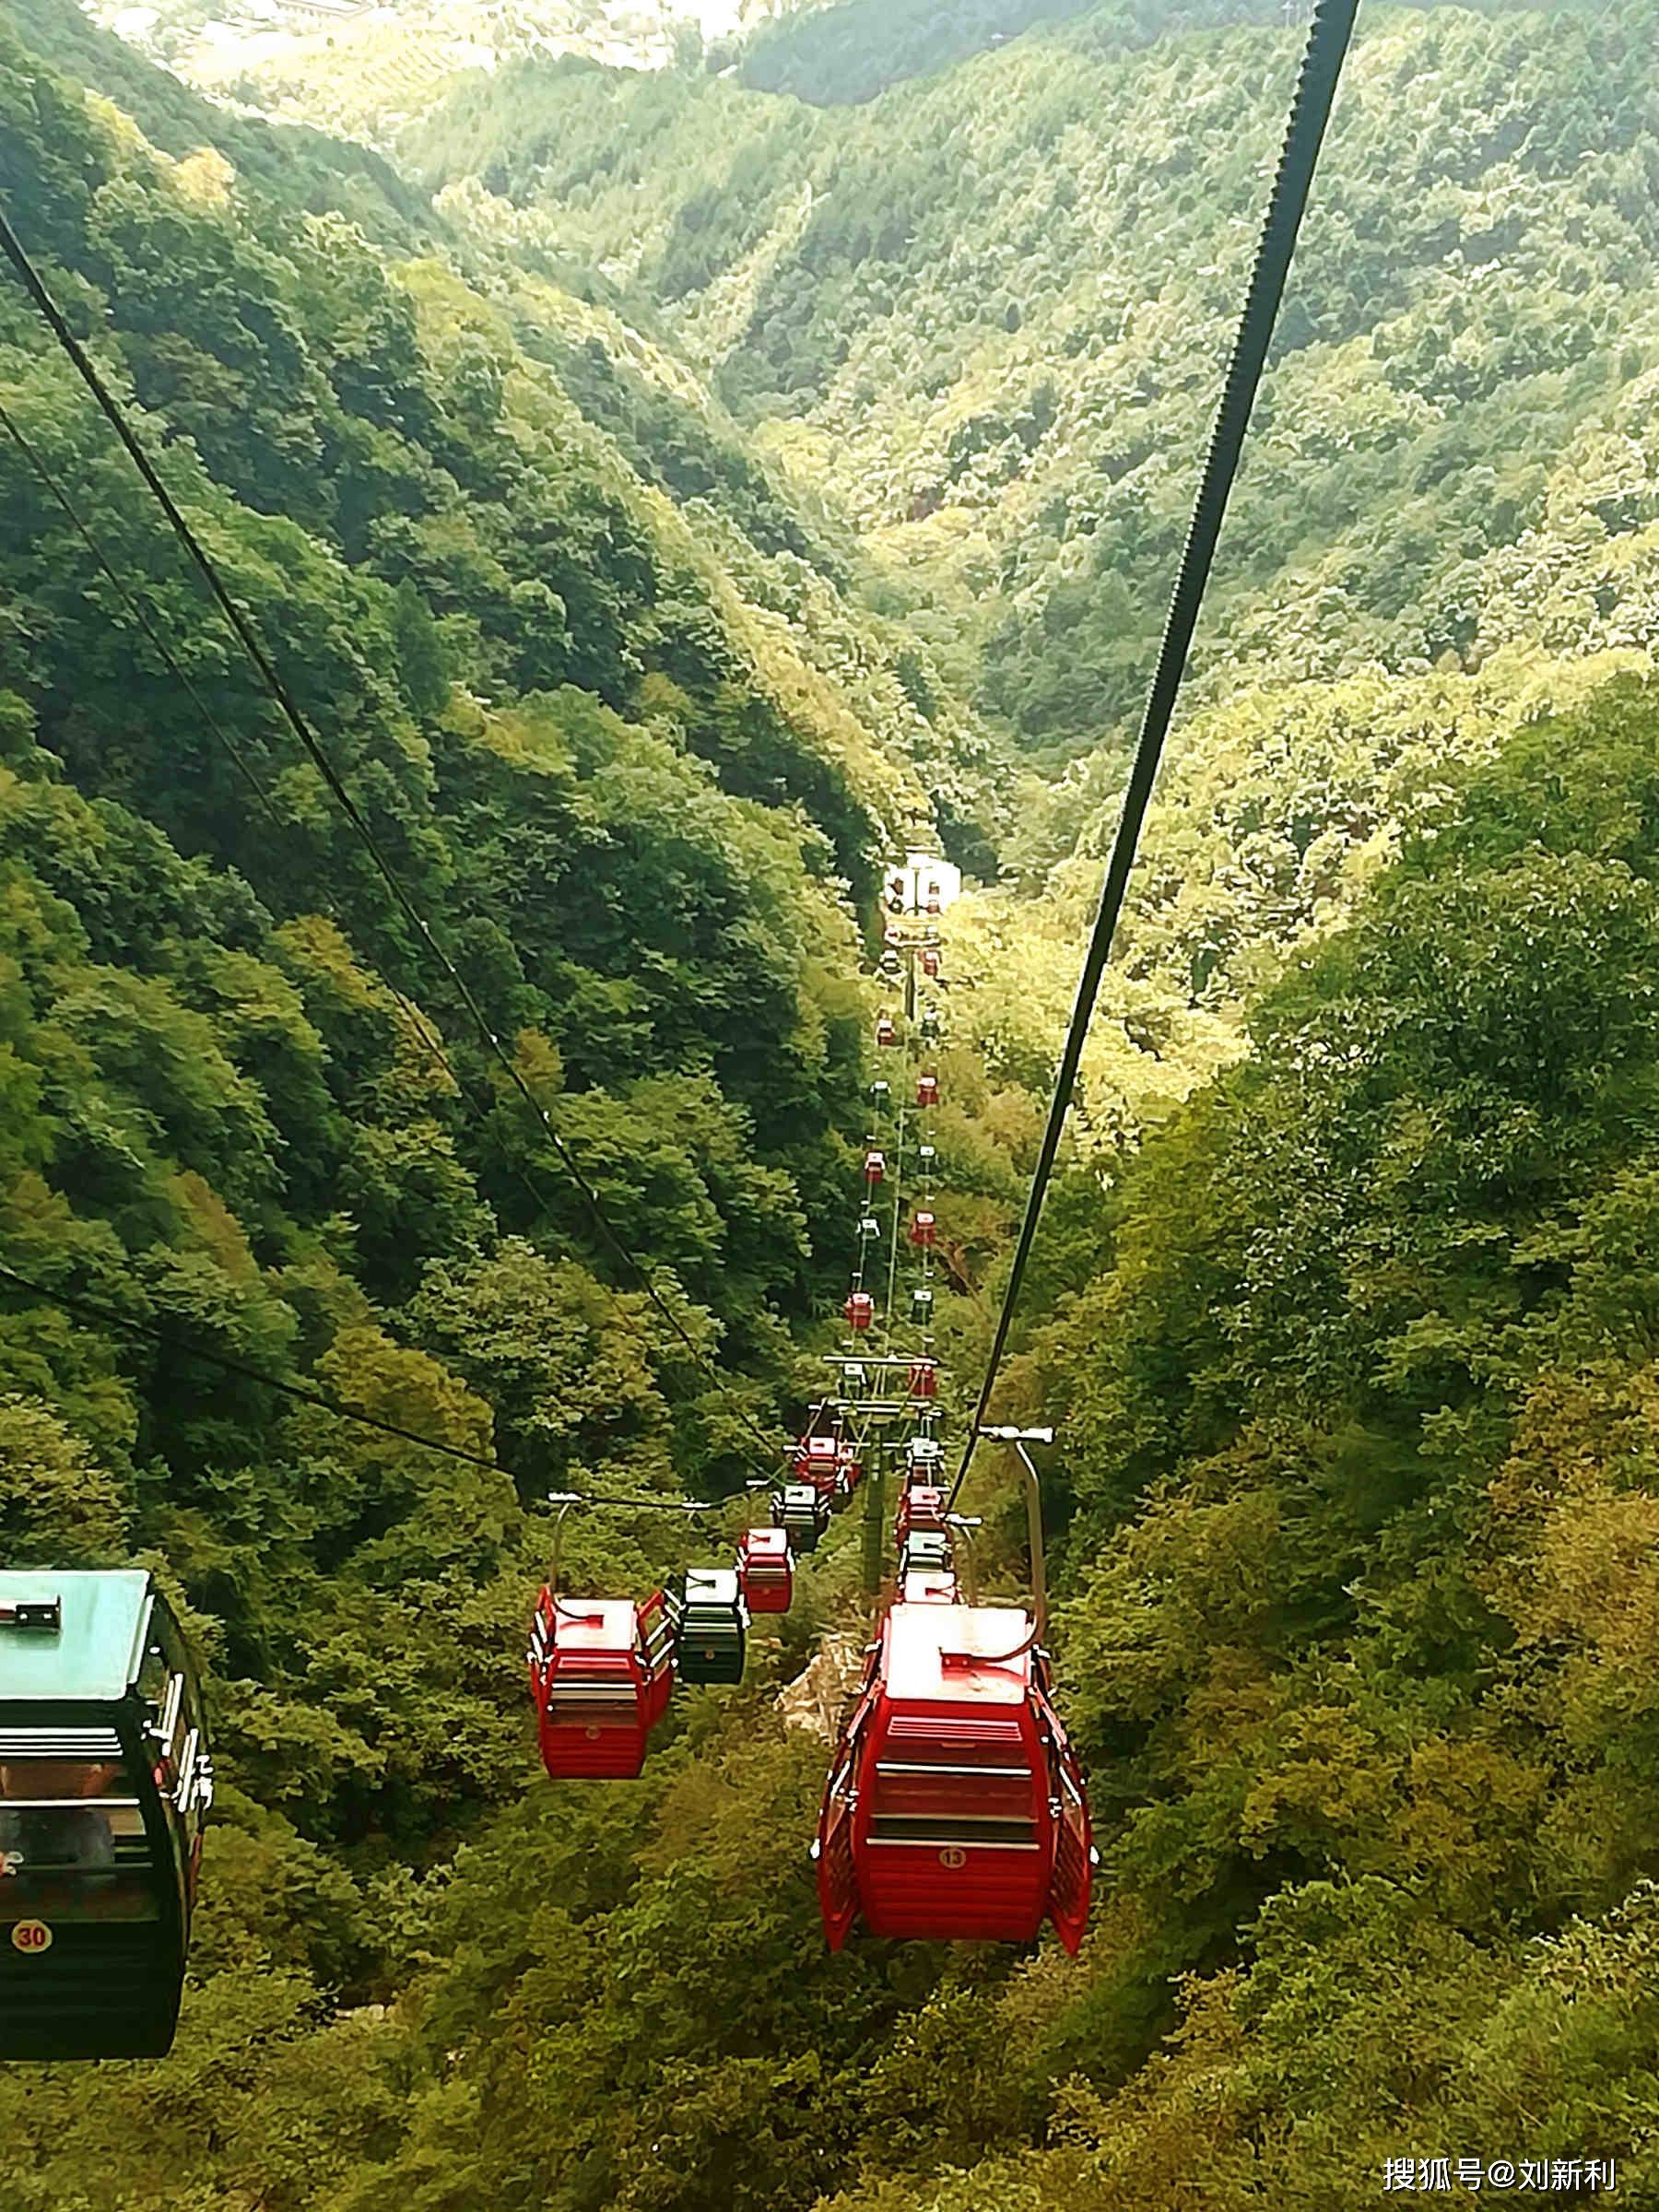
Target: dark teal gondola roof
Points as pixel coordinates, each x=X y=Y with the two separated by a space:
x=94 y=1657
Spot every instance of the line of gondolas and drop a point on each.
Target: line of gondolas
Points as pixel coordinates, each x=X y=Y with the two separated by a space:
x=955 y=1806
x=602 y=1669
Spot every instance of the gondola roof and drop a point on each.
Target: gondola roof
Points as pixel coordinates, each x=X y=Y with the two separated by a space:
x=93 y=1655
x=597 y=1624
x=957 y=1651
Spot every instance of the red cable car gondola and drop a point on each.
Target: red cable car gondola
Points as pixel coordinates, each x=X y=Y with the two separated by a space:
x=766 y=1569
x=923 y=1379
x=814 y=1462
x=956 y=1806
x=927 y=1090
x=860 y=1310
x=930 y=960
x=887 y=1031
x=601 y=1674
x=920 y=1506
x=875 y=1168
x=924 y=1231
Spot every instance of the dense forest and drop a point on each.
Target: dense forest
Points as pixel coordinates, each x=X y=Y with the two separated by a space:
x=983 y=313
x=658 y=490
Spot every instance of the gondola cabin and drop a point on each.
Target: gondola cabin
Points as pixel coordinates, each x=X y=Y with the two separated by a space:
x=104 y=1784
x=923 y=1379
x=803 y=1513
x=924 y=1230
x=881 y=1094
x=869 y=1230
x=955 y=1806
x=815 y=1461
x=927 y=1090
x=920 y=1506
x=922 y=1306
x=849 y=1472
x=875 y=1168
x=860 y=1310
x=766 y=1569
x=887 y=1031
x=925 y=1551
x=930 y=961
x=601 y=1675
x=713 y=1625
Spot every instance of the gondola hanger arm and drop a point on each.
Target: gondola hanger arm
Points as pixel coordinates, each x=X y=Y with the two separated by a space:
x=1021 y=1439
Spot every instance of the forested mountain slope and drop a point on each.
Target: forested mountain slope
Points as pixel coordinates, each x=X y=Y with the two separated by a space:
x=848 y=50
x=836 y=52
x=984 y=316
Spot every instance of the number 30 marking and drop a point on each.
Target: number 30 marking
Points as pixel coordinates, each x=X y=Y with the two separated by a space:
x=32 y=1936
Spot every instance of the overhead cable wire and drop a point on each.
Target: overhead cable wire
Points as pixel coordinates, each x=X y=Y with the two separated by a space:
x=271 y=677
x=94 y=1309
x=1327 y=44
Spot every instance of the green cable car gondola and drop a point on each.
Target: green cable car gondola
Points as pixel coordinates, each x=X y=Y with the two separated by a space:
x=104 y=1778
x=712 y=1618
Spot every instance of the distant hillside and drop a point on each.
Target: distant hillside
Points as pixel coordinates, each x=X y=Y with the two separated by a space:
x=845 y=51
x=302 y=168
x=983 y=318
x=851 y=49
x=841 y=53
